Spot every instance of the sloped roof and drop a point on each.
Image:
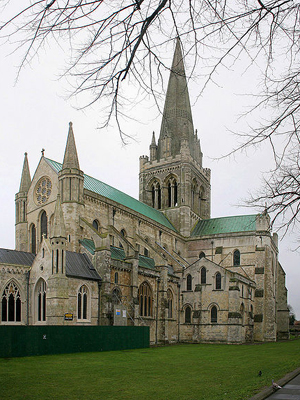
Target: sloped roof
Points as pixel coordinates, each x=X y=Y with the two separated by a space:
x=96 y=186
x=214 y=226
x=16 y=257
x=79 y=266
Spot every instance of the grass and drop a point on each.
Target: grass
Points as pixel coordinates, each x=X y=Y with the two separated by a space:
x=195 y=371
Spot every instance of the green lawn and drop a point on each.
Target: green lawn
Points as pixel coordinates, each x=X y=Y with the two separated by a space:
x=176 y=372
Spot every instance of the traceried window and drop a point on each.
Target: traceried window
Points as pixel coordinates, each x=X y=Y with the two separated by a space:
x=82 y=303
x=214 y=315
x=11 y=303
x=203 y=275
x=145 y=300
x=44 y=225
x=236 y=257
x=42 y=190
x=188 y=315
x=218 y=281
x=170 y=303
x=41 y=300
x=189 y=282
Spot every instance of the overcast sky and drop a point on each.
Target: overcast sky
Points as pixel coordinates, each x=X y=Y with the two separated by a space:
x=35 y=114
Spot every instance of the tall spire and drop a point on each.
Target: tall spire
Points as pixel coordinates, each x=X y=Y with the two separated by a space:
x=70 y=157
x=177 y=122
x=59 y=229
x=25 y=178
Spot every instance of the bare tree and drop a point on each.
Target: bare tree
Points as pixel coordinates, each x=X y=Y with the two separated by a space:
x=114 y=42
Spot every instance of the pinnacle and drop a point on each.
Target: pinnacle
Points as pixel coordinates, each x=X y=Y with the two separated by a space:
x=70 y=157
x=59 y=230
x=25 y=178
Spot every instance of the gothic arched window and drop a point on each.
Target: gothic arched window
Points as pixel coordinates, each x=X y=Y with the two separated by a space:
x=172 y=192
x=145 y=300
x=218 y=281
x=156 y=195
x=44 y=223
x=82 y=303
x=189 y=282
x=116 y=277
x=11 y=303
x=41 y=300
x=214 y=315
x=33 y=239
x=96 y=225
x=236 y=257
x=201 y=255
x=116 y=296
x=203 y=275
x=188 y=315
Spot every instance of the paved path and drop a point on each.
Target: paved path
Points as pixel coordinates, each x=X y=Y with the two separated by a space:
x=290 y=391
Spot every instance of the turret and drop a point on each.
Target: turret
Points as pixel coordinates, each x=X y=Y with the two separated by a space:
x=21 y=208
x=71 y=191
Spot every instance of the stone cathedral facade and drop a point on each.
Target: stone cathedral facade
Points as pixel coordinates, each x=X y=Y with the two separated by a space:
x=88 y=254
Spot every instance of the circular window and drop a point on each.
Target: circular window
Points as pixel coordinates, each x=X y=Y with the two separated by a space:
x=42 y=190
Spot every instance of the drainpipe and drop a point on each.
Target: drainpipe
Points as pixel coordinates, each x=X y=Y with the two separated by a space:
x=178 y=286
x=99 y=302
x=27 y=281
x=156 y=326
x=212 y=250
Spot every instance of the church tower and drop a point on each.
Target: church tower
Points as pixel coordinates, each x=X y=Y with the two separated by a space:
x=71 y=191
x=173 y=179
x=21 y=208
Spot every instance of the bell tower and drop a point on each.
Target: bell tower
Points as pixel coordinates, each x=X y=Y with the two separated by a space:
x=173 y=179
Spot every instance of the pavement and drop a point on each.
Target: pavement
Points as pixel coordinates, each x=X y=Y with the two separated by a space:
x=290 y=388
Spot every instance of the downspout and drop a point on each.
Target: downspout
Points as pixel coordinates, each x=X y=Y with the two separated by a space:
x=178 y=318
x=99 y=302
x=27 y=281
x=156 y=326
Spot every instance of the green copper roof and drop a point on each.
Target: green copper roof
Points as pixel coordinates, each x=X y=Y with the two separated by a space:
x=96 y=186
x=117 y=253
x=88 y=244
x=213 y=226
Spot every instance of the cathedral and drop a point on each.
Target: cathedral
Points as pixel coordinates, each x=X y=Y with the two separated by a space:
x=89 y=254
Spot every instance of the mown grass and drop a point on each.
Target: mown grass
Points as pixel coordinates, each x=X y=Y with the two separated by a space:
x=176 y=372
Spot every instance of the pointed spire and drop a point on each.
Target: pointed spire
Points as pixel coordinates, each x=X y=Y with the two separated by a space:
x=25 y=178
x=59 y=229
x=153 y=142
x=70 y=157
x=177 y=122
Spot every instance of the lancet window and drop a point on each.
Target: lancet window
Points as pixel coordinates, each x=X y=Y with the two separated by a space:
x=82 y=303
x=44 y=225
x=156 y=195
x=41 y=300
x=172 y=192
